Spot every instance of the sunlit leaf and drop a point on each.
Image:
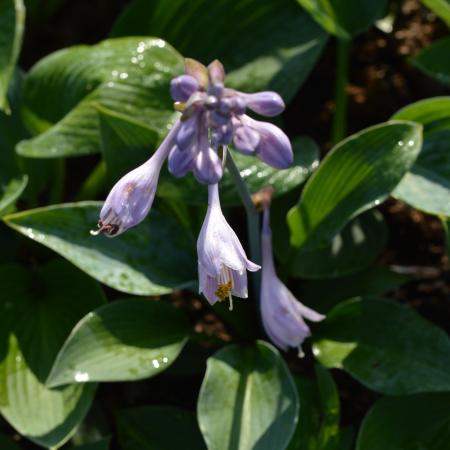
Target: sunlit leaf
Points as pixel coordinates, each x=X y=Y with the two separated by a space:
x=358 y=174
x=39 y=308
x=129 y=75
x=141 y=261
x=121 y=341
x=247 y=400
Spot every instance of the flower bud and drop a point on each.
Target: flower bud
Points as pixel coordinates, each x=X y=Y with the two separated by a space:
x=182 y=87
x=246 y=140
x=216 y=72
x=197 y=70
x=266 y=103
x=208 y=166
x=181 y=161
x=274 y=146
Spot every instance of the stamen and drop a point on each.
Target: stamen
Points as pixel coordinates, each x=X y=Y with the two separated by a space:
x=225 y=286
x=301 y=353
x=109 y=229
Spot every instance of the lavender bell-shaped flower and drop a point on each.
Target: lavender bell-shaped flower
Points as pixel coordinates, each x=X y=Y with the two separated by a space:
x=131 y=198
x=282 y=314
x=222 y=262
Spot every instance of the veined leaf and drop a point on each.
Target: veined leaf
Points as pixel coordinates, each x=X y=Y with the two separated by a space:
x=358 y=174
x=385 y=346
x=277 y=45
x=121 y=341
x=39 y=308
x=140 y=261
x=129 y=75
x=247 y=399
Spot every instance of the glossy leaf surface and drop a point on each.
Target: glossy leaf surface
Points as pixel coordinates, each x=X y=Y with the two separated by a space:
x=140 y=261
x=385 y=346
x=129 y=75
x=121 y=341
x=278 y=43
x=39 y=310
x=247 y=400
x=356 y=175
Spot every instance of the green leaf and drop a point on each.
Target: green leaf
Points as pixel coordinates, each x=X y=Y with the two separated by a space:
x=12 y=182
x=434 y=60
x=345 y=18
x=141 y=261
x=10 y=192
x=412 y=422
x=121 y=341
x=7 y=444
x=441 y=8
x=12 y=20
x=39 y=308
x=356 y=175
x=433 y=113
x=385 y=346
x=247 y=400
x=318 y=425
x=171 y=428
x=427 y=186
x=125 y=145
x=352 y=250
x=323 y=294
x=129 y=75
x=277 y=48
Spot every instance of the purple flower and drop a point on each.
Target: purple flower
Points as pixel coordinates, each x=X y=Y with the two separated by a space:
x=222 y=262
x=282 y=314
x=210 y=109
x=131 y=198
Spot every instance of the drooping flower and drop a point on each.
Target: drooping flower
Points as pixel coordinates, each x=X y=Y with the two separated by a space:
x=282 y=314
x=131 y=198
x=213 y=116
x=222 y=262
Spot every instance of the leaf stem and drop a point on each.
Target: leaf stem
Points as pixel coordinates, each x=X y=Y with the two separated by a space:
x=253 y=226
x=339 y=130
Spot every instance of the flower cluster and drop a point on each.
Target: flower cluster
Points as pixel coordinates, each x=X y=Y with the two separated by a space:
x=213 y=117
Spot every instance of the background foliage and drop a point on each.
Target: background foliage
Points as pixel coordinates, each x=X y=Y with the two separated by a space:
x=105 y=344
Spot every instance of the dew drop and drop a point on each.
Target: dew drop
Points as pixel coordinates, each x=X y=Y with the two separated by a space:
x=401 y=143
x=155 y=363
x=81 y=377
